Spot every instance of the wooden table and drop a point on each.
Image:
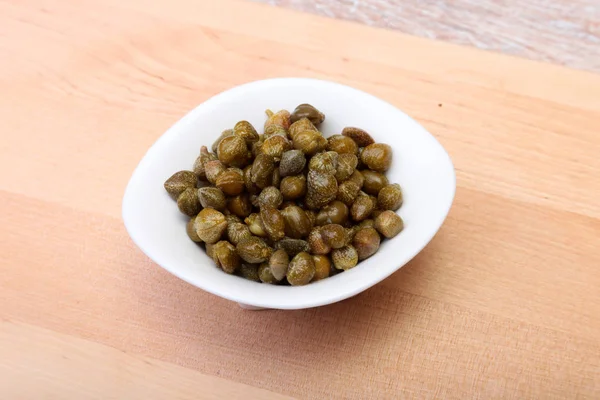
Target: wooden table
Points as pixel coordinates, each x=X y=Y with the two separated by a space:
x=504 y=302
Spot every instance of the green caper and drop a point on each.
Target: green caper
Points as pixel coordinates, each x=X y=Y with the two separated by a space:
x=344 y=258
x=253 y=250
x=341 y=144
x=231 y=181
x=237 y=232
x=202 y=159
x=273 y=222
x=377 y=156
x=270 y=196
x=374 y=181
x=303 y=124
x=334 y=235
x=307 y=111
x=292 y=163
x=346 y=166
x=362 y=207
x=256 y=148
x=293 y=187
x=301 y=269
x=278 y=263
x=317 y=242
x=213 y=169
x=297 y=224
x=280 y=118
x=275 y=130
x=360 y=137
x=309 y=142
x=389 y=224
x=232 y=151
x=262 y=170
x=335 y=212
x=326 y=162
x=265 y=274
x=322 y=267
x=226 y=256
x=191 y=230
x=366 y=242
x=251 y=187
x=246 y=131
x=232 y=218
x=292 y=246
x=224 y=134
x=276 y=180
x=347 y=192
x=249 y=271
x=358 y=178
x=188 y=202
x=211 y=197
x=210 y=225
x=240 y=205
x=179 y=182
x=322 y=188
x=390 y=197
x=255 y=224
x=275 y=146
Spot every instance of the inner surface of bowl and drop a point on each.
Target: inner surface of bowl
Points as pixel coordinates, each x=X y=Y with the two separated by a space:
x=420 y=165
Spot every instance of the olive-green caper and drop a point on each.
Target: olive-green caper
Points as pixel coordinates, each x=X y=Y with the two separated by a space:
x=276 y=180
x=362 y=207
x=188 y=202
x=202 y=159
x=377 y=156
x=358 y=178
x=232 y=151
x=326 y=162
x=367 y=223
x=231 y=181
x=322 y=267
x=253 y=250
x=312 y=217
x=292 y=163
x=292 y=246
x=232 y=218
x=335 y=212
x=249 y=271
x=307 y=111
x=237 y=232
x=246 y=131
x=179 y=182
x=360 y=137
x=240 y=205
x=191 y=230
x=297 y=224
x=275 y=146
x=265 y=274
x=301 y=269
x=226 y=256
x=210 y=225
x=376 y=213
x=224 y=134
x=309 y=142
x=342 y=144
x=262 y=170
x=255 y=224
x=251 y=187
x=334 y=235
x=389 y=224
x=347 y=192
x=279 y=263
x=273 y=222
x=303 y=124
x=209 y=250
x=322 y=189
x=280 y=118
x=211 y=197
x=374 y=181
x=213 y=169
x=366 y=242
x=346 y=166
x=270 y=196
x=275 y=130
x=390 y=197
x=293 y=187
x=256 y=148
x=317 y=242
x=344 y=258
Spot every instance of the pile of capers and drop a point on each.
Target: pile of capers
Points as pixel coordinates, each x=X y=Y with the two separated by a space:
x=289 y=206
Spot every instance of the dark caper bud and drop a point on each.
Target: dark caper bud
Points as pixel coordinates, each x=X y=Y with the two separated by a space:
x=307 y=111
x=211 y=197
x=322 y=189
x=374 y=181
x=254 y=250
x=270 y=196
x=202 y=159
x=191 y=230
x=292 y=246
x=390 y=197
x=335 y=212
x=250 y=186
x=188 y=203
x=293 y=187
x=237 y=232
x=344 y=258
x=297 y=224
x=299 y=126
x=265 y=274
x=367 y=223
x=362 y=207
x=360 y=137
x=210 y=225
x=347 y=192
x=309 y=142
x=240 y=205
x=273 y=222
x=279 y=263
x=334 y=235
x=179 y=182
x=366 y=242
x=312 y=217
x=317 y=242
x=275 y=146
x=358 y=178
x=292 y=163
x=280 y=118
x=213 y=169
x=389 y=224
x=249 y=271
x=255 y=224
x=377 y=156
x=326 y=162
x=342 y=144
x=226 y=256
x=276 y=181
x=262 y=170
x=346 y=166
x=232 y=151
x=301 y=269
x=224 y=134
x=322 y=267
x=246 y=131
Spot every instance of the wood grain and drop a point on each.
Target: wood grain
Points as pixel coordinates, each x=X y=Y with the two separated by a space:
x=502 y=304
x=557 y=31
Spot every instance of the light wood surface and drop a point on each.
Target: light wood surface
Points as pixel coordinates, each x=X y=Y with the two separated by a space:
x=565 y=32
x=504 y=302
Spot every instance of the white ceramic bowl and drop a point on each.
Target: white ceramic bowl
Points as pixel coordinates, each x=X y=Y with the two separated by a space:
x=420 y=165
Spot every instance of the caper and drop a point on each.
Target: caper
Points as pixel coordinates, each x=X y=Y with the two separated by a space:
x=358 y=178
x=334 y=235
x=191 y=230
x=367 y=223
x=240 y=205
x=312 y=217
x=293 y=187
x=275 y=146
x=342 y=144
x=249 y=271
x=376 y=213
x=390 y=197
x=224 y=134
x=307 y=111
x=211 y=197
x=210 y=225
x=309 y=142
x=374 y=181
x=265 y=274
x=346 y=166
x=280 y=118
x=179 y=182
x=232 y=218
x=292 y=163
x=253 y=250
x=297 y=224
x=213 y=169
x=389 y=224
x=292 y=246
x=366 y=242
x=344 y=258
x=231 y=181
x=202 y=159
x=250 y=186
x=273 y=222
x=279 y=263
x=209 y=250
x=299 y=126
x=270 y=196
x=362 y=207
x=256 y=148
x=326 y=162
x=322 y=188
x=317 y=242
x=347 y=192
x=275 y=130
x=237 y=232
x=276 y=180
x=262 y=170
x=322 y=267
x=232 y=151
x=188 y=203
x=360 y=137
x=246 y=131
x=226 y=256
x=255 y=224
x=335 y=212
x=301 y=269
x=377 y=156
